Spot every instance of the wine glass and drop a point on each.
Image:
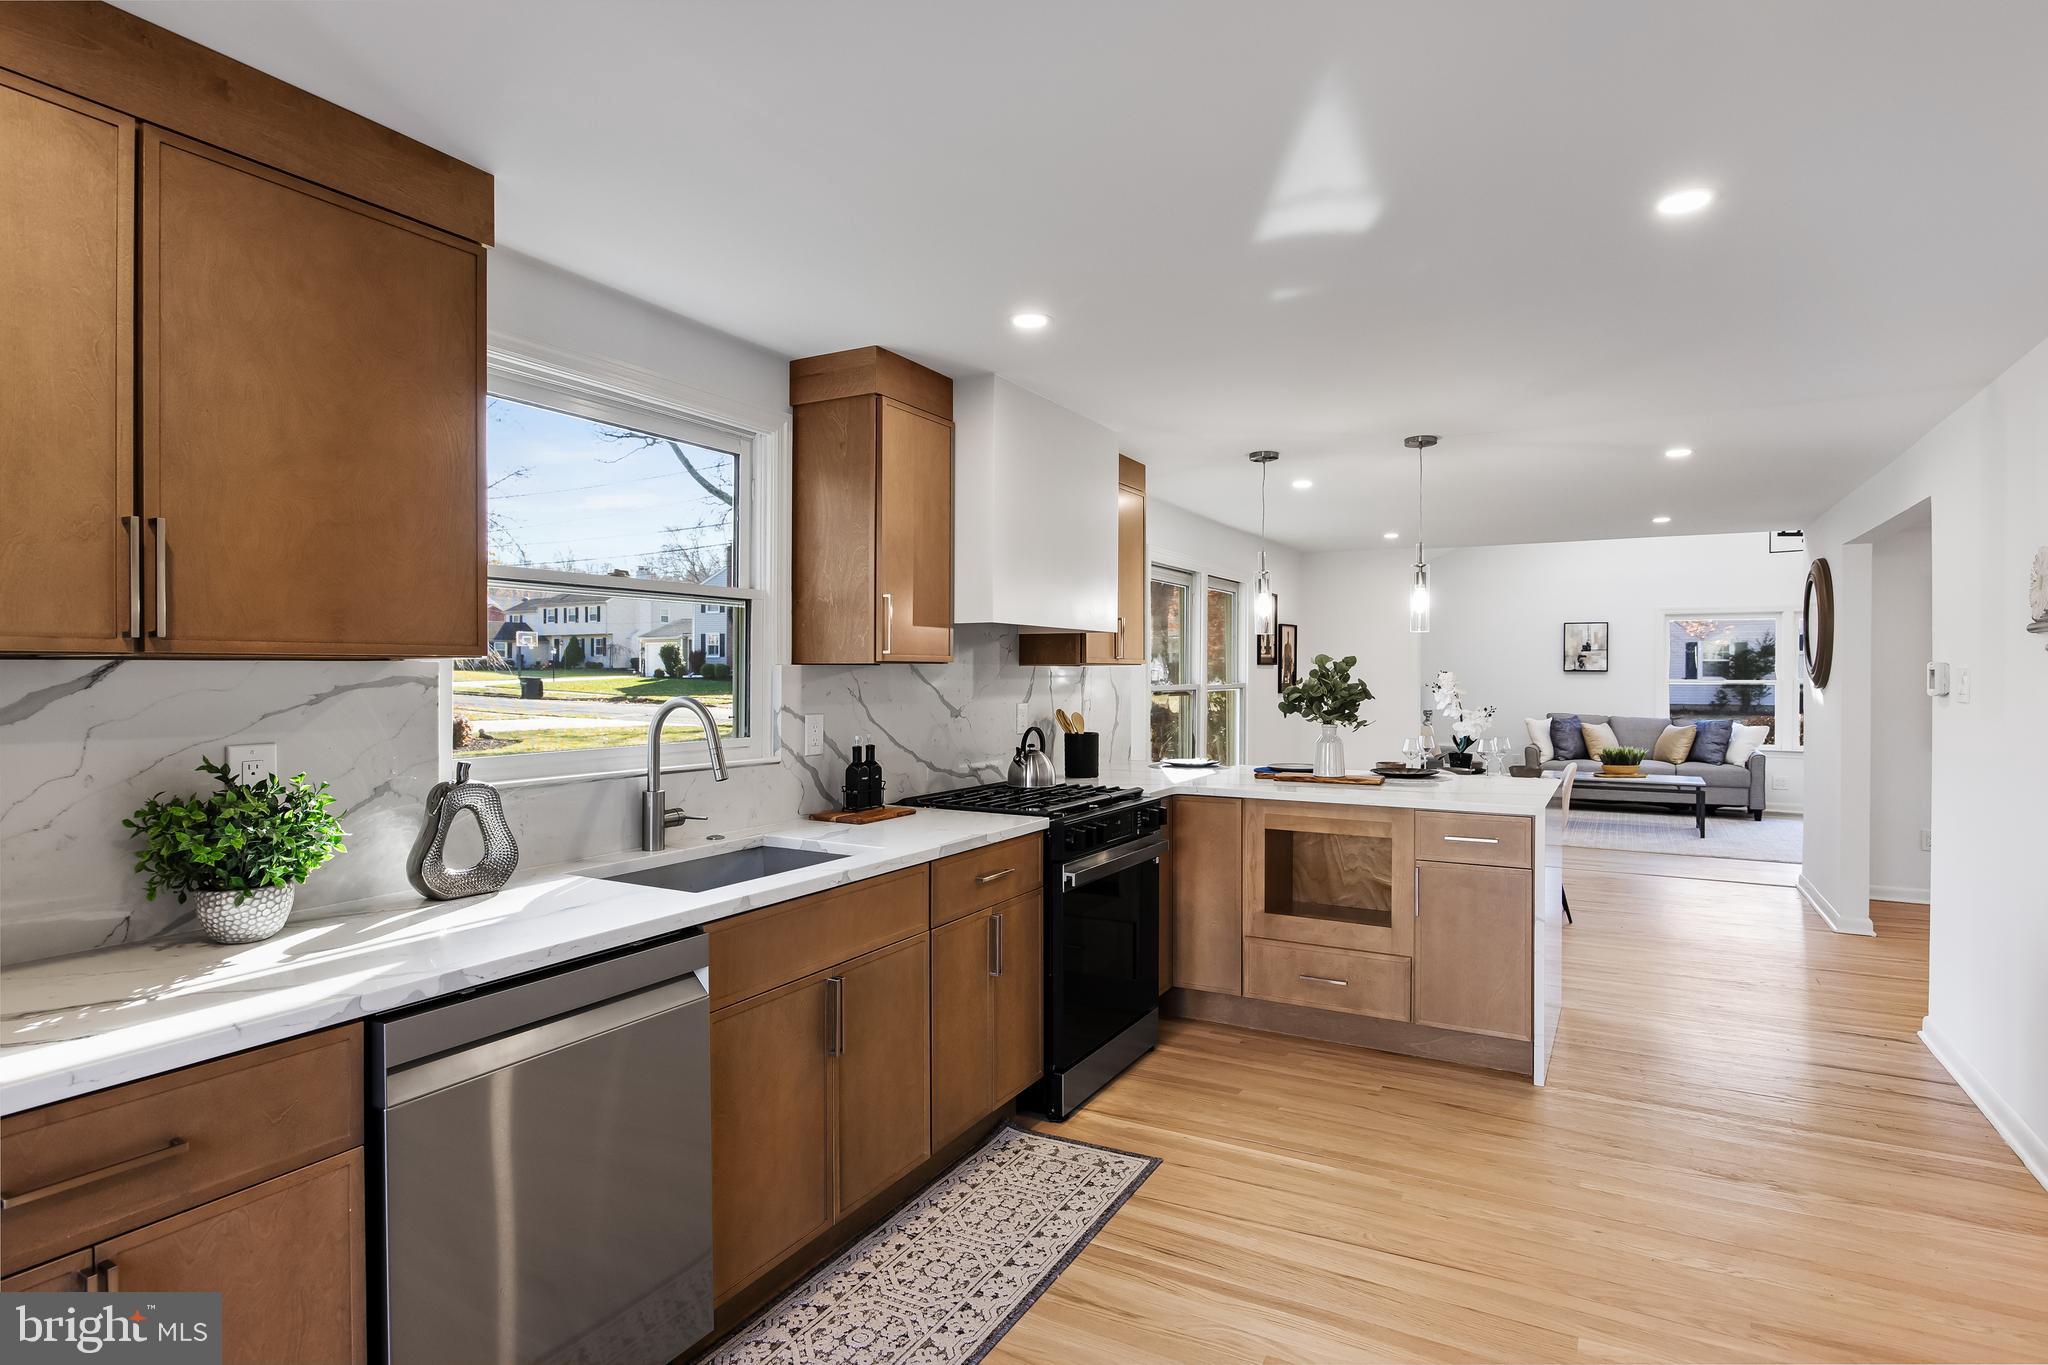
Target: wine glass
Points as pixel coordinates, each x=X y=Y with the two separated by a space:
x=1411 y=752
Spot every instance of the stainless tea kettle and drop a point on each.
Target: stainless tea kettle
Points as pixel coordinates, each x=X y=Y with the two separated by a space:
x=1031 y=766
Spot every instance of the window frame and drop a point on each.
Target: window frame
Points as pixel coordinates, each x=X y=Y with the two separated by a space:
x=621 y=395
x=1785 y=704
x=1195 y=654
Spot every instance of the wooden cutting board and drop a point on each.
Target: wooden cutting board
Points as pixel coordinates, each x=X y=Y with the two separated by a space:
x=862 y=817
x=1348 y=780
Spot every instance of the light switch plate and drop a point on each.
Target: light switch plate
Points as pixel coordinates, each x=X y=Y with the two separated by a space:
x=814 y=736
x=1927 y=841
x=252 y=763
x=1962 y=685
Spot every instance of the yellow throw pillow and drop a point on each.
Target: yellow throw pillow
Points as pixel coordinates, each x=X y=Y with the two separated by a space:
x=1597 y=737
x=1674 y=744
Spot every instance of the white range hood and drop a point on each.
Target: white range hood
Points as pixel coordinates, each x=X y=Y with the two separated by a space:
x=1034 y=510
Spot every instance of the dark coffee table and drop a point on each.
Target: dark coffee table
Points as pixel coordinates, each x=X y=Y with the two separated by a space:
x=1673 y=782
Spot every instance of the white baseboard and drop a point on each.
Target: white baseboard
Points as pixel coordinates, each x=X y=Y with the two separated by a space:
x=1911 y=895
x=2026 y=1144
x=1833 y=918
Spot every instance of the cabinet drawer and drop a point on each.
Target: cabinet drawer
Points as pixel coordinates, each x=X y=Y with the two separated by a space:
x=1327 y=978
x=1495 y=840
x=97 y=1166
x=967 y=882
x=763 y=949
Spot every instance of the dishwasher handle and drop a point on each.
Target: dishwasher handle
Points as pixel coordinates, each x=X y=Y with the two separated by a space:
x=420 y=1079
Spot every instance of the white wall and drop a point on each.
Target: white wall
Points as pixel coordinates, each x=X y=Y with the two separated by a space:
x=1901 y=714
x=1499 y=612
x=1356 y=602
x=1983 y=468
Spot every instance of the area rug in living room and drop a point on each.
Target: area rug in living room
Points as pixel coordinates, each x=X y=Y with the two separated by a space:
x=1773 y=839
x=950 y=1272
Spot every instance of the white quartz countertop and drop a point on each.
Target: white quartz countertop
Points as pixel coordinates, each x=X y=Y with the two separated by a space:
x=76 y=1024
x=1448 y=792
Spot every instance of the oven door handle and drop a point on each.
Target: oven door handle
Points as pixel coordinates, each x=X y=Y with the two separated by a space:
x=1109 y=861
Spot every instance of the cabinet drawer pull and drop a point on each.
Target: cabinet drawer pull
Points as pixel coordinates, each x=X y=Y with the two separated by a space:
x=162 y=530
x=836 y=1045
x=1467 y=839
x=985 y=878
x=175 y=1147
x=888 y=622
x=133 y=525
x=1323 y=980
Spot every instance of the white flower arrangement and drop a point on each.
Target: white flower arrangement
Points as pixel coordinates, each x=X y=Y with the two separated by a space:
x=1468 y=724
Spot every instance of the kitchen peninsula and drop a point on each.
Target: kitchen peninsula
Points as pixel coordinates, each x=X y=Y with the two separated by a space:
x=1421 y=917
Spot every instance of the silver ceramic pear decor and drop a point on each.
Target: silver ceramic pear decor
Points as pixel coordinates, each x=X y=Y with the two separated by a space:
x=428 y=866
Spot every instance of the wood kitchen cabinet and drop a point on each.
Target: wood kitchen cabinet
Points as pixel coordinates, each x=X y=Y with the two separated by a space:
x=885 y=1093
x=988 y=1012
x=1127 y=643
x=871 y=510
x=1331 y=875
x=1207 y=892
x=1473 y=938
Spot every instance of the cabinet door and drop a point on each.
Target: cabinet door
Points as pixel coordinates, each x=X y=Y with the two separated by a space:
x=1208 y=893
x=67 y=216
x=771 y=1129
x=914 y=537
x=1125 y=644
x=286 y=1256
x=1018 y=933
x=1473 y=939
x=66 y=1275
x=963 y=1025
x=312 y=383
x=884 y=1082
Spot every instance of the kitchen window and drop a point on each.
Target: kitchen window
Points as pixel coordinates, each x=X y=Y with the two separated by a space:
x=618 y=528
x=1196 y=666
x=1722 y=667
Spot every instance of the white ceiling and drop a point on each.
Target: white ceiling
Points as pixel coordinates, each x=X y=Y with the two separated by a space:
x=1312 y=226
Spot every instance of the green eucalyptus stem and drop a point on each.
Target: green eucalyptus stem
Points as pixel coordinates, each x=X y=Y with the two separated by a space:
x=1329 y=695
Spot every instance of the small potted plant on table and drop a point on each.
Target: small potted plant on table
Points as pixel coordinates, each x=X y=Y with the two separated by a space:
x=239 y=853
x=1329 y=696
x=1625 y=761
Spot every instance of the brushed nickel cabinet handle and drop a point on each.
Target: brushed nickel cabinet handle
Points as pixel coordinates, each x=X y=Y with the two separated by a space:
x=161 y=528
x=836 y=1045
x=988 y=877
x=995 y=940
x=134 y=529
x=1324 y=980
x=1467 y=839
x=175 y=1147
x=1119 y=637
x=888 y=622
x=1417 y=903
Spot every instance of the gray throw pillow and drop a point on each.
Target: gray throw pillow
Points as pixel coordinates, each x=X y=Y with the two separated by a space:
x=1566 y=738
x=1710 y=745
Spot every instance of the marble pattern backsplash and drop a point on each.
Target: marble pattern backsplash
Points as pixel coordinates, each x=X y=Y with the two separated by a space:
x=83 y=743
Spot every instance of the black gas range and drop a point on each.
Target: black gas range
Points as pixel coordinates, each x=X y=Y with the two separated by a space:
x=1102 y=853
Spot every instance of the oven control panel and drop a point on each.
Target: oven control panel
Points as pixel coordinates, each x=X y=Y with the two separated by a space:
x=1074 y=837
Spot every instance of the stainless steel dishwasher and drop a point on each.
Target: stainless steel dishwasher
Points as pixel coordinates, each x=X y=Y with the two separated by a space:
x=546 y=1166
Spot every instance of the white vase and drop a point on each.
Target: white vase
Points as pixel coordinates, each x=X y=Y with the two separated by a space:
x=1330 y=753
x=259 y=916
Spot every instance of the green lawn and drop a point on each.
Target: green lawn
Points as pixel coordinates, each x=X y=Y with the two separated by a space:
x=600 y=684
x=585 y=737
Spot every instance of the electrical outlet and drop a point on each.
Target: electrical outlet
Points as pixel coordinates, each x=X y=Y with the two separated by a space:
x=814 y=736
x=1927 y=841
x=1781 y=784
x=1023 y=716
x=252 y=763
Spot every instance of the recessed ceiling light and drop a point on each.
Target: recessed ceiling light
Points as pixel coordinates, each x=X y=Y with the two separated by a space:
x=1679 y=203
x=1028 y=322
x=1391 y=535
x=1678 y=453
x=1304 y=483
x=1659 y=520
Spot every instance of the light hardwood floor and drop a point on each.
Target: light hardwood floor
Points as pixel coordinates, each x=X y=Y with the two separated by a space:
x=1744 y=1154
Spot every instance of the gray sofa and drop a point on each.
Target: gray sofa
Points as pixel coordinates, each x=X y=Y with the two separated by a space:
x=1727 y=784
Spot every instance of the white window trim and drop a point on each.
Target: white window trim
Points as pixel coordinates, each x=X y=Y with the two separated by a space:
x=1194 y=653
x=1786 y=710
x=625 y=395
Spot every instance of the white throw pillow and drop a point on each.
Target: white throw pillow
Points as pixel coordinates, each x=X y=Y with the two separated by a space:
x=1744 y=740
x=1539 y=735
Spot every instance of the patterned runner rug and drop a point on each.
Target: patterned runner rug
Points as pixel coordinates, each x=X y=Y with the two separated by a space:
x=943 y=1279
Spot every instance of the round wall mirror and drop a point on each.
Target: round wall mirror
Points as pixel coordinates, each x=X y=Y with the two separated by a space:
x=1817 y=623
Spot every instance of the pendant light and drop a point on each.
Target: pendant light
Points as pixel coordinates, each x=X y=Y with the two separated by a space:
x=1418 y=596
x=1262 y=596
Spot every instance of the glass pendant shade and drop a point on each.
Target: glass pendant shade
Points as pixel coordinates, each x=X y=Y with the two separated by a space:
x=1262 y=605
x=1418 y=602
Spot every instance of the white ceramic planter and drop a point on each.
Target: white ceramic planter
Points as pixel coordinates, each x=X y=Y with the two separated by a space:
x=262 y=914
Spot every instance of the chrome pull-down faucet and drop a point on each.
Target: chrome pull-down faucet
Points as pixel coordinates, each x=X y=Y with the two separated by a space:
x=656 y=817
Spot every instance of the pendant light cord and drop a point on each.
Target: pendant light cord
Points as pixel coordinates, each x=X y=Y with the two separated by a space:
x=1262 y=514
x=1418 y=504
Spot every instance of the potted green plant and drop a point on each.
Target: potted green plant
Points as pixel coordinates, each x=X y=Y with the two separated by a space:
x=1623 y=761
x=1330 y=697
x=240 y=852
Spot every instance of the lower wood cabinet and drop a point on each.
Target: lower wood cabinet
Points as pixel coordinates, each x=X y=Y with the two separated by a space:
x=988 y=1021
x=885 y=1114
x=1207 y=892
x=1474 y=936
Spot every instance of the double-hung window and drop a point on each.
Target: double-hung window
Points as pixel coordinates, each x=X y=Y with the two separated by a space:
x=616 y=524
x=1196 y=666
x=1722 y=667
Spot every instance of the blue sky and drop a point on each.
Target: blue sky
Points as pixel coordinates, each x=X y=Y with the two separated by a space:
x=567 y=498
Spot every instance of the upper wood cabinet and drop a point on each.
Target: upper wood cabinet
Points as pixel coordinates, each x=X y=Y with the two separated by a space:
x=67 y=217
x=244 y=400
x=311 y=372
x=1125 y=644
x=871 y=512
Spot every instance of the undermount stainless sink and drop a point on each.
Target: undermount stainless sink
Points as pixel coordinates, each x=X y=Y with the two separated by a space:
x=727 y=869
